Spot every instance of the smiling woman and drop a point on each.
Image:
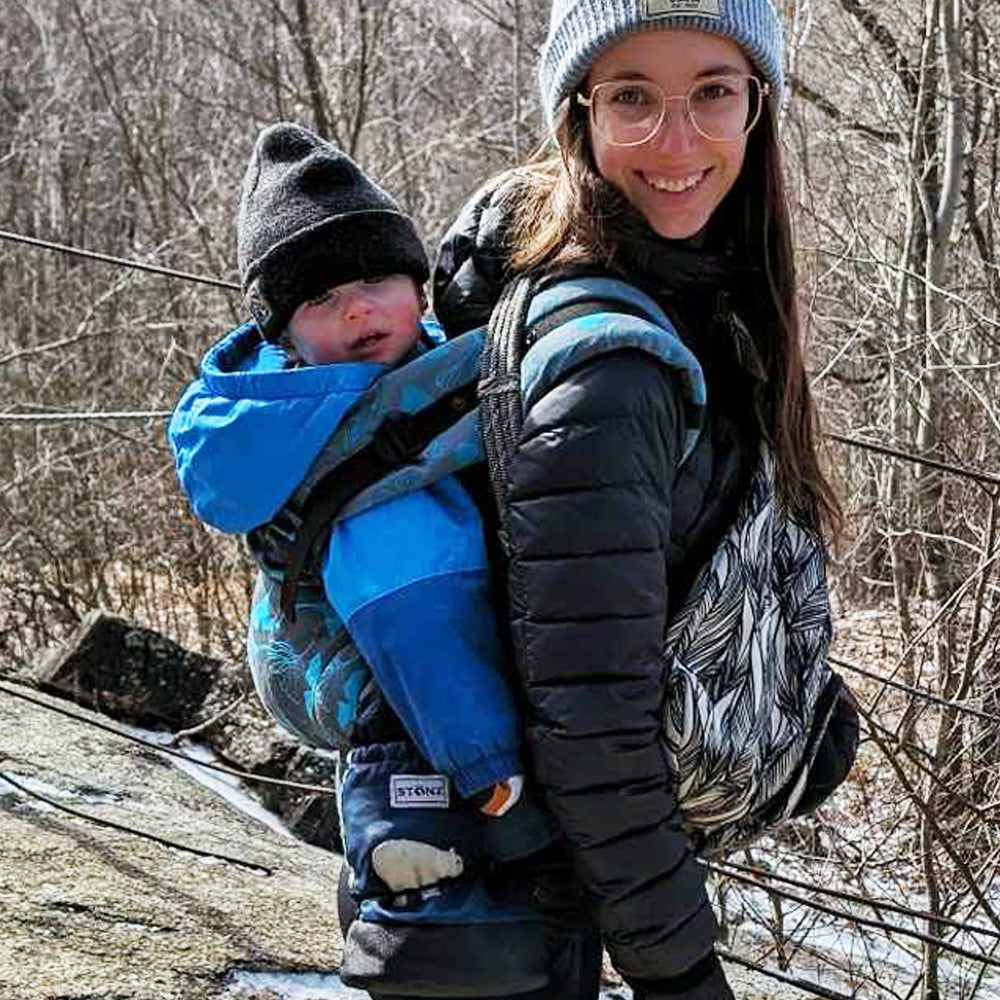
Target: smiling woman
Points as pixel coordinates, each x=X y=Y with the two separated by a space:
x=667 y=175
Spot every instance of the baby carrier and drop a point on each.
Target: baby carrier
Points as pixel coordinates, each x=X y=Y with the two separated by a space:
x=750 y=690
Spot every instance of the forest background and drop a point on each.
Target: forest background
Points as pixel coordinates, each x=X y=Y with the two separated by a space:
x=125 y=129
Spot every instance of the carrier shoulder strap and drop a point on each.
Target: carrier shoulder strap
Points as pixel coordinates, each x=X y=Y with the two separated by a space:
x=398 y=442
x=509 y=337
x=501 y=415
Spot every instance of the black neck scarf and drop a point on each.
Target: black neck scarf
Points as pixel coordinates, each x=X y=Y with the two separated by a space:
x=696 y=282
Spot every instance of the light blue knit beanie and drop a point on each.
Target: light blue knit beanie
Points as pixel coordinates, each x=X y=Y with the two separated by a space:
x=580 y=29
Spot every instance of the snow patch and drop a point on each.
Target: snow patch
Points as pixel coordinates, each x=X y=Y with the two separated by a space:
x=227 y=786
x=322 y=986
x=293 y=985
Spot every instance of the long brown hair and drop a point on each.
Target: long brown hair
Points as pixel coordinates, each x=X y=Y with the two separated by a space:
x=561 y=209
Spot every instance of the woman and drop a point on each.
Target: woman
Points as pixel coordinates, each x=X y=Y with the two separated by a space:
x=668 y=176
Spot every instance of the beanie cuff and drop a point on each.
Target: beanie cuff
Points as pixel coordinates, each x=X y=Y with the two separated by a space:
x=345 y=248
x=310 y=219
x=587 y=27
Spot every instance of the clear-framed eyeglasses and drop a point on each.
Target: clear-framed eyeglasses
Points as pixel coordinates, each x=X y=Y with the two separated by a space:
x=630 y=112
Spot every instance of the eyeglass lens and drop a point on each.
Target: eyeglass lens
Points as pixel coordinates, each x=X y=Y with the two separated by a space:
x=628 y=112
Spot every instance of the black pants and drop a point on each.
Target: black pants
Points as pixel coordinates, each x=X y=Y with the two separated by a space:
x=575 y=950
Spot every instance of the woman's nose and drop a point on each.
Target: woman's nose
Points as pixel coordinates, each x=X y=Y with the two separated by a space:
x=676 y=133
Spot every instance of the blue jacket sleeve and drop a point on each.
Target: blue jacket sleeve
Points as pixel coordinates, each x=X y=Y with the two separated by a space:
x=409 y=578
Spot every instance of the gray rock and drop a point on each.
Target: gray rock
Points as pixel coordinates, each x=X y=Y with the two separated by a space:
x=97 y=913
x=130 y=672
x=93 y=913
x=136 y=675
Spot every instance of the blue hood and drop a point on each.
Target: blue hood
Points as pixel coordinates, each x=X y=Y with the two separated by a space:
x=246 y=431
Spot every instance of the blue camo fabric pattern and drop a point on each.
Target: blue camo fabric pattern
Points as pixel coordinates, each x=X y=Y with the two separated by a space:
x=309 y=672
x=414 y=386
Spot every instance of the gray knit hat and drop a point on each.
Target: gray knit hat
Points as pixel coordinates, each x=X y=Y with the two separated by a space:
x=580 y=29
x=310 y=218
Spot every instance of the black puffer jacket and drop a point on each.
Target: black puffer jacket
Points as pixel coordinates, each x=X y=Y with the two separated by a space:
x=607 y=531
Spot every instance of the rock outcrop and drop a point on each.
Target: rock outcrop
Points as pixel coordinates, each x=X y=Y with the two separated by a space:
x=93 y=912
x=130 y=672
x=136 y=675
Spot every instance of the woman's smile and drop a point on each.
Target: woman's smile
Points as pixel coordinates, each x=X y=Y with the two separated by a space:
x=674 y=185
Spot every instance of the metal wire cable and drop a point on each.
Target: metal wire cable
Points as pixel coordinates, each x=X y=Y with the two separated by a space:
x=720 y=868
x=956 y=470
x=118 y=261
x=245 y=775
x=982 y=477
x=38 y=418
x=882 y=925
x=807 y=985
x=917 y=692
x=752 y=877
x=804 y=984
x=881 y=449
x=736 y=872
x=252 y=865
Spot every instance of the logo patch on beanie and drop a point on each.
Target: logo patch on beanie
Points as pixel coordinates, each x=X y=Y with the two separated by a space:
x=668 y=8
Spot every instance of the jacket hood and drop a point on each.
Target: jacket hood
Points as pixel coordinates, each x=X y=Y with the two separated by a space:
x=473 y=262
x=246 y=431
x=472 y=267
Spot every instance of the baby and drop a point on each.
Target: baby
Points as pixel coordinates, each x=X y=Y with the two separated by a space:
x=333 y=274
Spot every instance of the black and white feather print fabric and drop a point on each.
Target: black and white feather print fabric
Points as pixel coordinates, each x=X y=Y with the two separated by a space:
x=748 y=660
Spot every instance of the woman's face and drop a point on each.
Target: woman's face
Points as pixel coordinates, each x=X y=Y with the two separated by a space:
x=677 y=178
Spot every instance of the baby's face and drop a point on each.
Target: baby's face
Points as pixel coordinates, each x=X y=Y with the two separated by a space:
x=375 y=319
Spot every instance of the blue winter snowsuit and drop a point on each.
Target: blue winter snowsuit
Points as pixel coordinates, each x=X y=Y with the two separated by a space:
x=406 y=573
x=244 y=435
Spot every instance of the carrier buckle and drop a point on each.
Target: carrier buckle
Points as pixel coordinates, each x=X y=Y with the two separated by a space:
x=398 y=440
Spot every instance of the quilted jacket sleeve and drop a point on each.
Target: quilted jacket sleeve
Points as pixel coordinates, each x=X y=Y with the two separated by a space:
x=590 y=491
